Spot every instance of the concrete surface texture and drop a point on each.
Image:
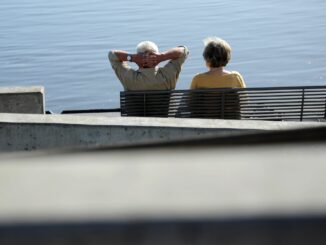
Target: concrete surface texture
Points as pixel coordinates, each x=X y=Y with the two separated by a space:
x=189 y=182
x=22 y=100
x=218 y=192
x=20 y=132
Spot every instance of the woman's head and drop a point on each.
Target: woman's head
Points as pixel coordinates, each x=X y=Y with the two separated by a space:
x=217 y=52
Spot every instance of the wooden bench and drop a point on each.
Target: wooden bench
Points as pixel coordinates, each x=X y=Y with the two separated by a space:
x=305 y=103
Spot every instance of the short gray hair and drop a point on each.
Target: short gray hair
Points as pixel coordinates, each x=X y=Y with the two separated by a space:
x=147 y=47
x=217 y=52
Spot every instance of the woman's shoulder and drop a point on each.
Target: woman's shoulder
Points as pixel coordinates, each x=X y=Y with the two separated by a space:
x=204 y=74
x=198 y=80
x=199 y=76
x=236 y=75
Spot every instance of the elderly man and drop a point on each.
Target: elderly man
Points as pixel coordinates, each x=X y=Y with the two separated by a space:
x=148 y=76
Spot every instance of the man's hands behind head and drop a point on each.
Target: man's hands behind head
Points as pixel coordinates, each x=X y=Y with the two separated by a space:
x=151 y=60
x=147 y=60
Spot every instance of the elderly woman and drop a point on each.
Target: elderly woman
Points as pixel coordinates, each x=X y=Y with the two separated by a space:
x=217 y=54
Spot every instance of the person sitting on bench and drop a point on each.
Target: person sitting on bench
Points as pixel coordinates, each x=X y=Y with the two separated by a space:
x=149 y=76
x=217 y=54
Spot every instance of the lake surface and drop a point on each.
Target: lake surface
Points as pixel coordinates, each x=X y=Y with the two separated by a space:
x=63 y=45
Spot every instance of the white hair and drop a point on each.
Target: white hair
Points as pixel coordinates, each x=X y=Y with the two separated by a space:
x=147 y=46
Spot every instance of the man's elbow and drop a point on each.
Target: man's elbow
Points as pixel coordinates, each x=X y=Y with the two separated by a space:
x=182 y=51
x=112 y=56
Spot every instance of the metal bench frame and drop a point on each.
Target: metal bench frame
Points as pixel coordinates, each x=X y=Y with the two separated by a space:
x=296 y=103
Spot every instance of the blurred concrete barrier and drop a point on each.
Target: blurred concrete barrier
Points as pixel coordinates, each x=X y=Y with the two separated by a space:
x=29 y=100
x=260 y=194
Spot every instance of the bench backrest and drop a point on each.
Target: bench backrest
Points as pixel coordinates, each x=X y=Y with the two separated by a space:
x=267 y=103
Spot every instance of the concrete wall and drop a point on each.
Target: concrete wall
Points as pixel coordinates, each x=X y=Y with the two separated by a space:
x=240 y=195
x=22 y=100
x=33 y=132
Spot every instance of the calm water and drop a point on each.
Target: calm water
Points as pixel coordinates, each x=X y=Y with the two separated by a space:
x=63 y=45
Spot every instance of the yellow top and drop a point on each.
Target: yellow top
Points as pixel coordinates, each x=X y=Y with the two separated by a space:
x=207 y=80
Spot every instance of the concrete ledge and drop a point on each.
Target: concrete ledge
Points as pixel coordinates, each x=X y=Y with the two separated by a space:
x=262 y=194
x=33 y=132
x=28 y=100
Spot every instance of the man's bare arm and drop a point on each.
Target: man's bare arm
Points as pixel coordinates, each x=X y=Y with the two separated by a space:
x=151 y=59
x=155 y=58
x=171 y=54
x=122 y=56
